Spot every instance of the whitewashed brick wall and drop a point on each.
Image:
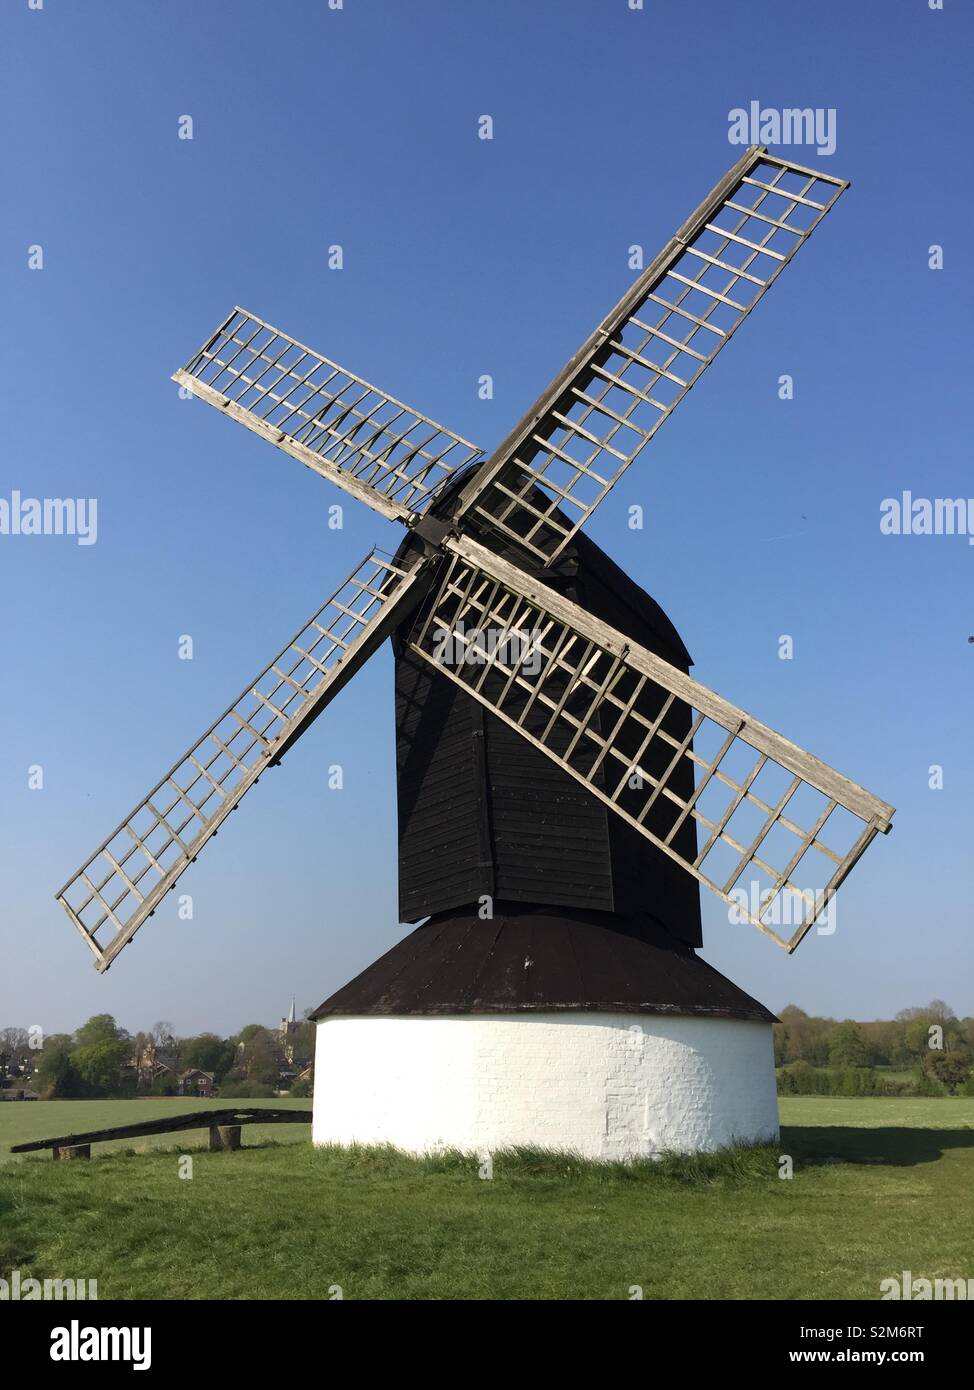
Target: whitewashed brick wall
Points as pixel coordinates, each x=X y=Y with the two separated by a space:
x=605 y=1085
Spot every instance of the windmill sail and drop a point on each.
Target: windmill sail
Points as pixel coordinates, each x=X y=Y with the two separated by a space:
x=632 y=729
x=731 y=801
x=336 y=423
x=629 y=376
x=123 y=882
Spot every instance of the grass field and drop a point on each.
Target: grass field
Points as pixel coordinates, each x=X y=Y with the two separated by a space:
x=880 y=1185
x=22 y=1121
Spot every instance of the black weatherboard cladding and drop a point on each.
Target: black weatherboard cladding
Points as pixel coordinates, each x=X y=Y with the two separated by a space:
x=483 y=812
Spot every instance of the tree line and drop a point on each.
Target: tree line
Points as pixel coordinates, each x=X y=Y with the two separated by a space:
x=101 y=1059
x=931 y=1048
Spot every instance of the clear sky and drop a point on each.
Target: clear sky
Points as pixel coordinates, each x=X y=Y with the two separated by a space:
x=359 y=127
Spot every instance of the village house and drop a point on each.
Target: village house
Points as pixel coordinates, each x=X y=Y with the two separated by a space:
x=194 y=1082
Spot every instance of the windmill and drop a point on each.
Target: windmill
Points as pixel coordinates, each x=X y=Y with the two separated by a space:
x=564 y=783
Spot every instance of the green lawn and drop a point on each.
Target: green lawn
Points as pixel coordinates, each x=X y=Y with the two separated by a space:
x=867 y=1112
x=880 y=1185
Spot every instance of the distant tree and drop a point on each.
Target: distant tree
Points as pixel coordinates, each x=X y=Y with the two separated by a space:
x=847 y=1047
x=56 y=1076
x=884 y=1043
x=807 y=1037
x=258 y=1059
x=100 y=1065
x=208 y=1052
x=788 y=1034
x=792 y=1014
x=802 y=1080
x=799 y=1079
x=128 y=1082
x=227 y=1061
x=62 y=1081
x=300 y=1042
x=950 y=1069
x=250 y=1030
x=163 y=1034
x=934 y=1012
x=13 y=1043
x=243 y=1088
x=925 y=1083
x=99 y=1028
x=301 y=1089
x=916 y=1035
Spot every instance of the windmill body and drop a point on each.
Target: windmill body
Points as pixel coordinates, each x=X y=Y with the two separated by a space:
x=565 y=785
x=552 y=995
x=484 y=814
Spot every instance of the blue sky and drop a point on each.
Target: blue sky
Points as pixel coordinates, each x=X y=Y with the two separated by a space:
x=463 y=257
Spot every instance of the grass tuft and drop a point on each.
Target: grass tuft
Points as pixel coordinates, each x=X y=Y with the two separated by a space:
x=748 y=1163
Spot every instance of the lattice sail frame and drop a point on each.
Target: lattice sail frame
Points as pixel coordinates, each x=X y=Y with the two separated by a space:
x=595 y=684
x=629 y=376
x=374 y=446
x=123 y=882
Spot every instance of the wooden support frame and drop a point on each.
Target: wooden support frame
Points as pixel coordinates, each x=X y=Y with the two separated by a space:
x=226 y=1118
x=224 y=1138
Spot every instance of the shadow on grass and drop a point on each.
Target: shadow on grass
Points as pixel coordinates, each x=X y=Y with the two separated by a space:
x=895 y=1146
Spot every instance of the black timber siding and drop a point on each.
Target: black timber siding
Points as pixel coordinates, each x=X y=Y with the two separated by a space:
x=482 y=812
x=549 y=834
x=445 y=855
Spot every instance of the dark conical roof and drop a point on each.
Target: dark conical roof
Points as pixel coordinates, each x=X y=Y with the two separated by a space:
x=537 y=959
